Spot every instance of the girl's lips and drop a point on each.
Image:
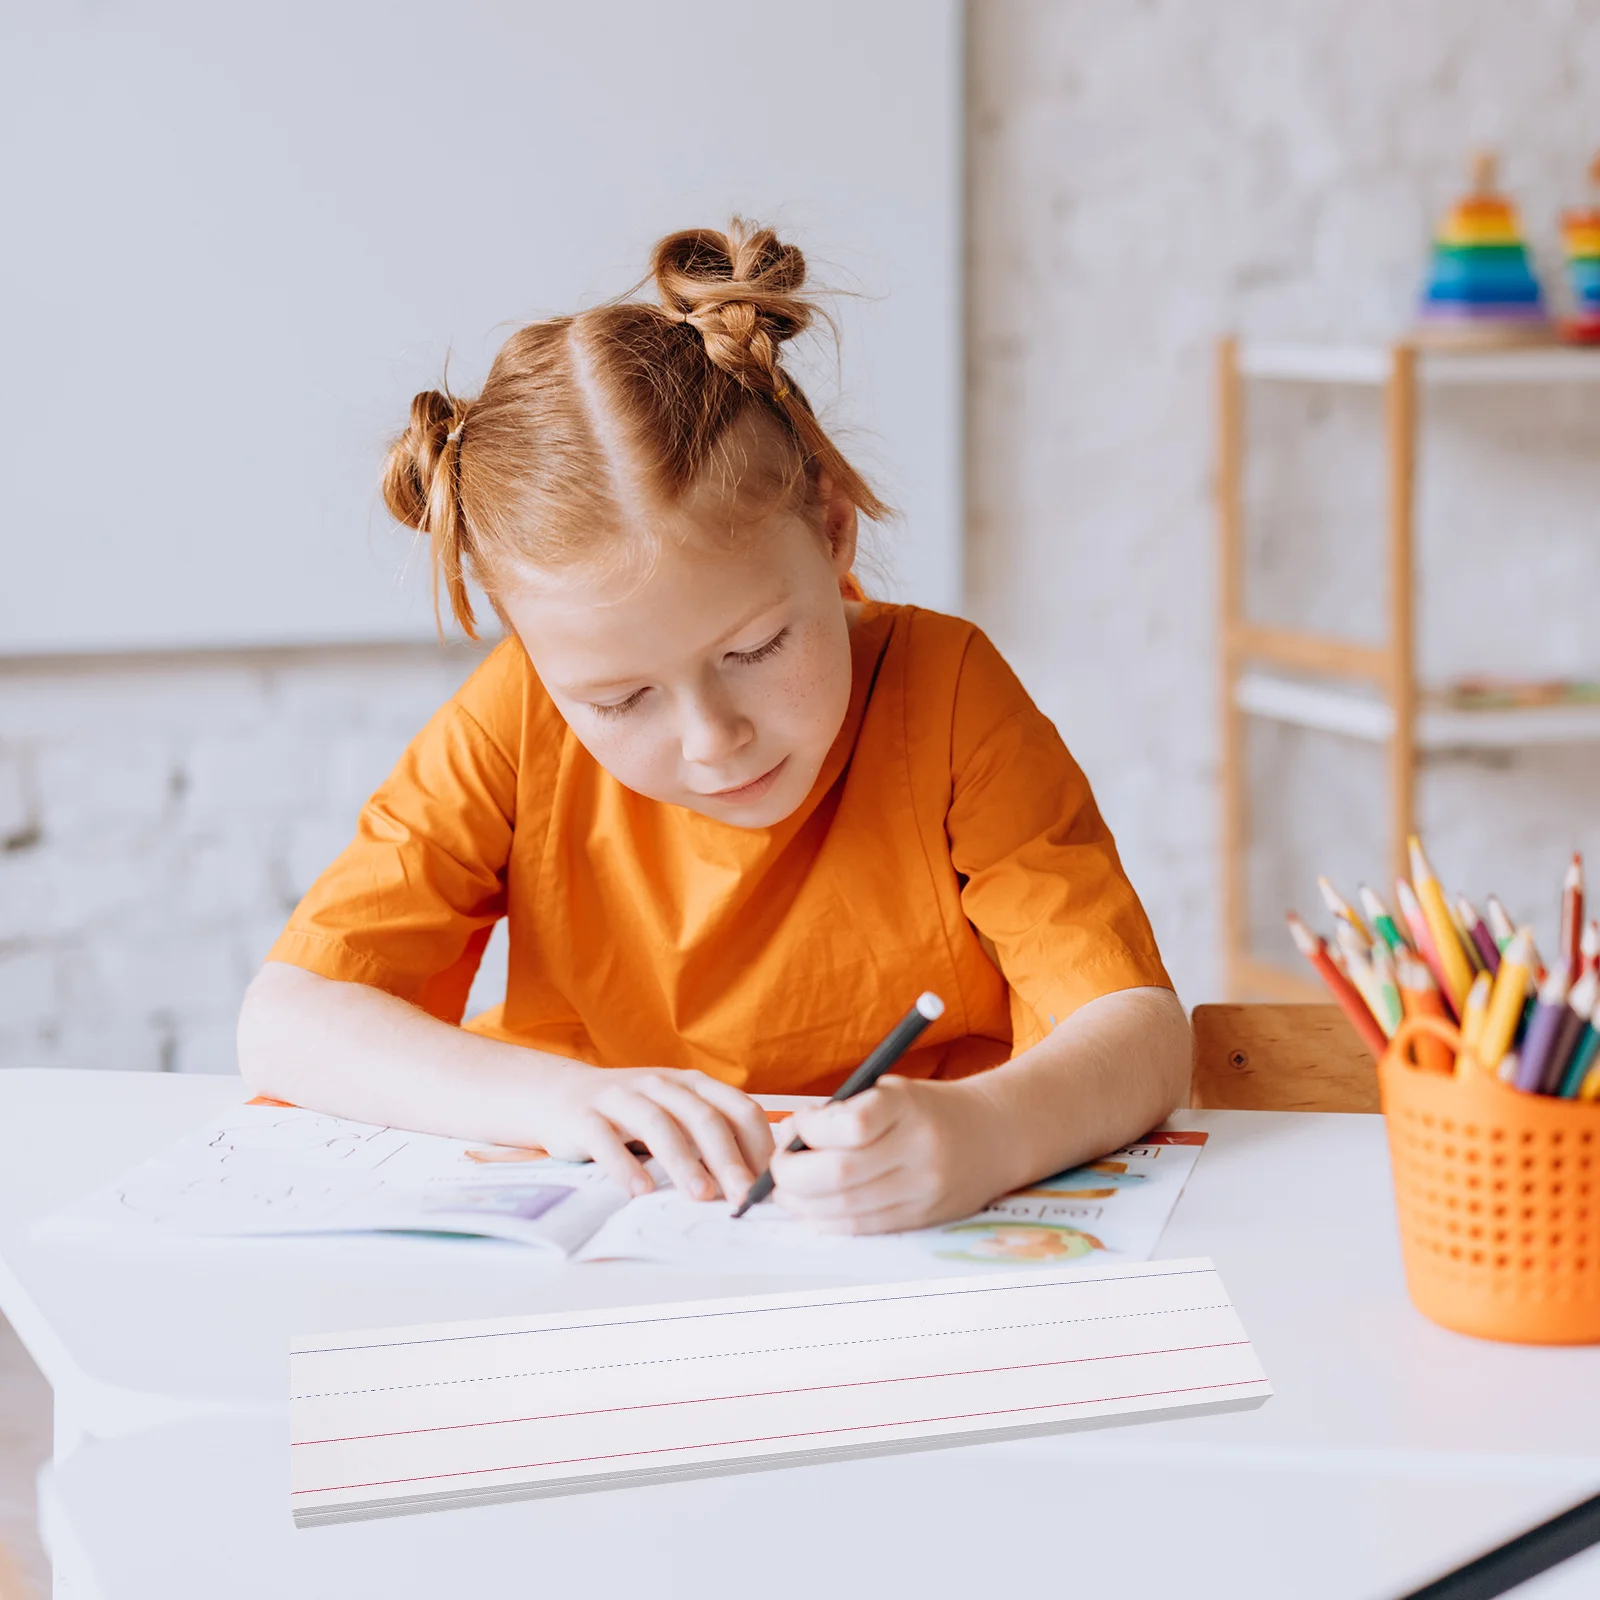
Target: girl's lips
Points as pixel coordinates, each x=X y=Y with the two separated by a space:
x=756 y=789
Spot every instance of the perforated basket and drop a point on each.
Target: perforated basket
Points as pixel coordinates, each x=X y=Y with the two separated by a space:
x=1498 y=1195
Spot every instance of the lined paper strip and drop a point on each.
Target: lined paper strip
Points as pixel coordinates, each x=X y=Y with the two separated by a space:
x=421 y=1418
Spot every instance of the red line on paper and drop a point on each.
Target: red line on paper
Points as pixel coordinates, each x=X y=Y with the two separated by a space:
x=769 y=1394
x=774 y=1438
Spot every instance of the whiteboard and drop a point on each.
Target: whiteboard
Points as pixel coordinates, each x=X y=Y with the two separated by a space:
x=241 y=237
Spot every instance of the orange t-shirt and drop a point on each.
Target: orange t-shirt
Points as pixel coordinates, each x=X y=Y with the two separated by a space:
x=950 y=843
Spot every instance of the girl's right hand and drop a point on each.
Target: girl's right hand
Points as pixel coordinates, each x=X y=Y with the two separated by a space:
x=710 y=1137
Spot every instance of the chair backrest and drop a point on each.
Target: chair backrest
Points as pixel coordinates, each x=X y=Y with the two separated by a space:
x=1280 y=1058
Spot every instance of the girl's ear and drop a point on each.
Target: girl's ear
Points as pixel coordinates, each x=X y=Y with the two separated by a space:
x=839 y=524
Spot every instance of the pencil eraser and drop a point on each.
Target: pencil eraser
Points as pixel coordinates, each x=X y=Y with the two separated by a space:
x=930 y=1005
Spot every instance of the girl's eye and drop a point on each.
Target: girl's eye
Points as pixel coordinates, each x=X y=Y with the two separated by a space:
x=620 y=708
x=773 y=645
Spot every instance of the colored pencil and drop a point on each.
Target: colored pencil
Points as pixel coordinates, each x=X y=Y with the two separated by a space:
x=1567 y=952
x=1393 y=1012
x=1452 y=906
x=1500 y=925
x=1589 y=1089
x=1473 y=1016
x=1580 y=1002
x=1488 y=951
x=1453 y=961
x=1506 y=1000
x=1315 y=949
x=1422 y=938
x=1383 y=924
x=1357 y=967
x=1583 y=1068
x=1419 y=994
x=1589 y=948
x=927 y=1008
x=1587 y=1047
x=1544 y=1026
x=1343 y=910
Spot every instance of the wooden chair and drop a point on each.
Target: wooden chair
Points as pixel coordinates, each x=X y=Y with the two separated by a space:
x=1280 y=1058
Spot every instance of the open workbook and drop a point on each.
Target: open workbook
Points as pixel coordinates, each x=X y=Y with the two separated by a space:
x=264 y=1169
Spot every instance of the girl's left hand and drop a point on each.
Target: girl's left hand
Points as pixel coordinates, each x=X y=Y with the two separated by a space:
x=906 y=1154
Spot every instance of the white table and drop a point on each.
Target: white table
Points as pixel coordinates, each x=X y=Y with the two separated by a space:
x=1391 y=1449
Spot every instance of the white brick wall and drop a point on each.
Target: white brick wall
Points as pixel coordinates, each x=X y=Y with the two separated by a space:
x=158 y=820
x=1144 y=177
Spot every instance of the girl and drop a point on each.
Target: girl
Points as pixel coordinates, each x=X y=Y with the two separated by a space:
x=736 y=815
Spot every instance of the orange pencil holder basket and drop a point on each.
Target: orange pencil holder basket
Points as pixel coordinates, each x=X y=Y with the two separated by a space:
x=1498 y=1194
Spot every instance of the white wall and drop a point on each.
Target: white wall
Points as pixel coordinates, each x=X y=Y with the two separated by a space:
x=1145 y=177
x=243 y=236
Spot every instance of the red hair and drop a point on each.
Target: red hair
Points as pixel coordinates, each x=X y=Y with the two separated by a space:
x=585 y=419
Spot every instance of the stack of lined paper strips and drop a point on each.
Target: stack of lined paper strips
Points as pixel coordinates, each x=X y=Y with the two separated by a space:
x=1481 y=290
x=424 y=1418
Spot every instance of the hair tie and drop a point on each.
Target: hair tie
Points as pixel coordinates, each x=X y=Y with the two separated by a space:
x=454 y=436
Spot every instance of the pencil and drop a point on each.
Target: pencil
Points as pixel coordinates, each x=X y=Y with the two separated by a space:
x=1473 y=1015
x=1384 y=925
x=1586 y=1038
x=1452 y=907
x=1567 y=951
x=1500 y=925
x=1506 y=1001
x=928 y=1008
x=1419 y=994
x=1589 y=948
x=1569 y=1035
x=1359 y=970
x=1453 y=963
x=1315 y=950
x=1342 y=909
x=1422 y=938
x=1544 y=1026
x=1388 y=988
x=1488 y=952
x=1589 y=1089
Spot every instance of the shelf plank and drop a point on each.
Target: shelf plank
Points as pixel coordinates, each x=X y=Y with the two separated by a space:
x=1330 y=709
x=1370 y=365
x=1309 y=652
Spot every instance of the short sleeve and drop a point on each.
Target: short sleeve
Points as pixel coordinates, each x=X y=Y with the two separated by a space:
x=1042 y=882
x=409 y=905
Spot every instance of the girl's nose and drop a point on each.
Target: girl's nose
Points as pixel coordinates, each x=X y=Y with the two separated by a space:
x=713 y=730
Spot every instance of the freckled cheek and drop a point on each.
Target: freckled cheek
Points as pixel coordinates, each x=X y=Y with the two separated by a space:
x=809 y=701
x=641 y=759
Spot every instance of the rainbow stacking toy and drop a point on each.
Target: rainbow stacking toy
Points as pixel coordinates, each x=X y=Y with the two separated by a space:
x=1581 y=232
x=1481 y=289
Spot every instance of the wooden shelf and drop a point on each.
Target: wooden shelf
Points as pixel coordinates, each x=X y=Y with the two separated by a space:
x=1371 y=365
x=1343 y=686
x=1366 y=716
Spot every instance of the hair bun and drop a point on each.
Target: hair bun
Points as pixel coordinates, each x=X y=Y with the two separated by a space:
x=741 y=291
x=418 y=478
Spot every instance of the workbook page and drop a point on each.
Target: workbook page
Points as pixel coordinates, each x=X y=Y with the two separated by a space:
x=264 y=1168
x=1111 y=1210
